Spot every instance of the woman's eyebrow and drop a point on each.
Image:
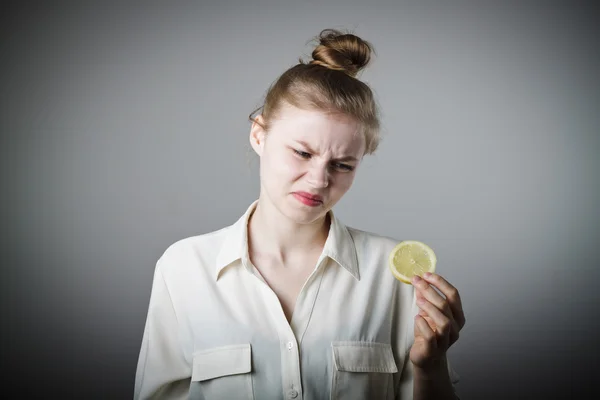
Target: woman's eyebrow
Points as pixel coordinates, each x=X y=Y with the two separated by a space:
x=305 y=145
x=346 y=158
x=310 y=150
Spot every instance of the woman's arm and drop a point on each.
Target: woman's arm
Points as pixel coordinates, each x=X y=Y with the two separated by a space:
x=162 y=370
x=416 y=384
x=433 y=384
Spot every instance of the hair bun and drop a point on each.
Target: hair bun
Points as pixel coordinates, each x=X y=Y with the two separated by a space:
x=341 y=51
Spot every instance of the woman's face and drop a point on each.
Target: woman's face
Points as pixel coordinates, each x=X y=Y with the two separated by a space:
x=308 y=161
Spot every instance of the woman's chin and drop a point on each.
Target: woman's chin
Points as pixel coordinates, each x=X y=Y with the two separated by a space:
x=304 y=214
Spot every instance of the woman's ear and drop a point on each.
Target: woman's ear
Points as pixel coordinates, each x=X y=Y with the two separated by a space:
x=258 y=135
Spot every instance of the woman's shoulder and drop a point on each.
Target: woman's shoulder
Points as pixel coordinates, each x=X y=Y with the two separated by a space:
x=196 y=247
x=372 y=239
x=373 y=250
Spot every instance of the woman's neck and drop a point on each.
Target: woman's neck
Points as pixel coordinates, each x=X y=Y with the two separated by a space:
x=271 y=233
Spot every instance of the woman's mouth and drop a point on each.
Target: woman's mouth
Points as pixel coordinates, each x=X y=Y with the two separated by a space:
x=311 y=200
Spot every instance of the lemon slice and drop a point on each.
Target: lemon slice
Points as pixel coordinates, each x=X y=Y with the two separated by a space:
x=410 y=258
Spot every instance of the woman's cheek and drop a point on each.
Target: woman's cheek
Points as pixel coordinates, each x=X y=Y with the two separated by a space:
x=344 y=181
x=290 y=166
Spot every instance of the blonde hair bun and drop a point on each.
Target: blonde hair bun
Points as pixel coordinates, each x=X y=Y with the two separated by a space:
x=341 y=51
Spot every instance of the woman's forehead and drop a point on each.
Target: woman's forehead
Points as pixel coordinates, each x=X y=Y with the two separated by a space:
x=291 y=114
x=318 y=126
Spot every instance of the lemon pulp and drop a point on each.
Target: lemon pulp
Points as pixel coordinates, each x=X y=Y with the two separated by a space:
x=409 y=258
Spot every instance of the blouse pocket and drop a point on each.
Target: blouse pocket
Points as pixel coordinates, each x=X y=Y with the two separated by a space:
x=362 y=370
x=222 y=373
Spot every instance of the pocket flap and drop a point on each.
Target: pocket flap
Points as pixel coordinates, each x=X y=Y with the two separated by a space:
x=221 y=361
x=364 y=357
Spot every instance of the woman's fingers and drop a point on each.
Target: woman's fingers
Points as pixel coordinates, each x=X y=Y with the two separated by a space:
x=440 y=306
x=454 y=330
x=443 y=324
x=427 y=291
x=425 y=331
x=452 y=296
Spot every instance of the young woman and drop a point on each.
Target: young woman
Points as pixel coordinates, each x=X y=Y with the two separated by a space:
x=288 y=302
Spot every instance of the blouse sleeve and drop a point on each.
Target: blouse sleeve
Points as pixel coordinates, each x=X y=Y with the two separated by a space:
x=162 y=369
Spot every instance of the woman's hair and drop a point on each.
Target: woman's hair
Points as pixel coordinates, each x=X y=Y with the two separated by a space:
x=328 y=83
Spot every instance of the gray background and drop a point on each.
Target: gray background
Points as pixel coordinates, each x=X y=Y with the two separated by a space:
x=124 y=129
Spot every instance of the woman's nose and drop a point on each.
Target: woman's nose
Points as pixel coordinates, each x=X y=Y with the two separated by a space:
x=318 y=176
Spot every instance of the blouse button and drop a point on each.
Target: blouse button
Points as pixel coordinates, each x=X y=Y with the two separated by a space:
x=293 y=393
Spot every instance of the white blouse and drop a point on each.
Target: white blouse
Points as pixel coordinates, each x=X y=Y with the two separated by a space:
x=216 y=330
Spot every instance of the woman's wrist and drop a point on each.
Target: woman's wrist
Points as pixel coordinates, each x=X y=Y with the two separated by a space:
x=433 y=382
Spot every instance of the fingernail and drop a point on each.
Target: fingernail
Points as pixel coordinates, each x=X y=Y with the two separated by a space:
x=427 y=274
x=416 y=278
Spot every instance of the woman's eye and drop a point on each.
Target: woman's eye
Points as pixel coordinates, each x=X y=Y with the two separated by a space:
x=302 y=154
x=343 y=167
